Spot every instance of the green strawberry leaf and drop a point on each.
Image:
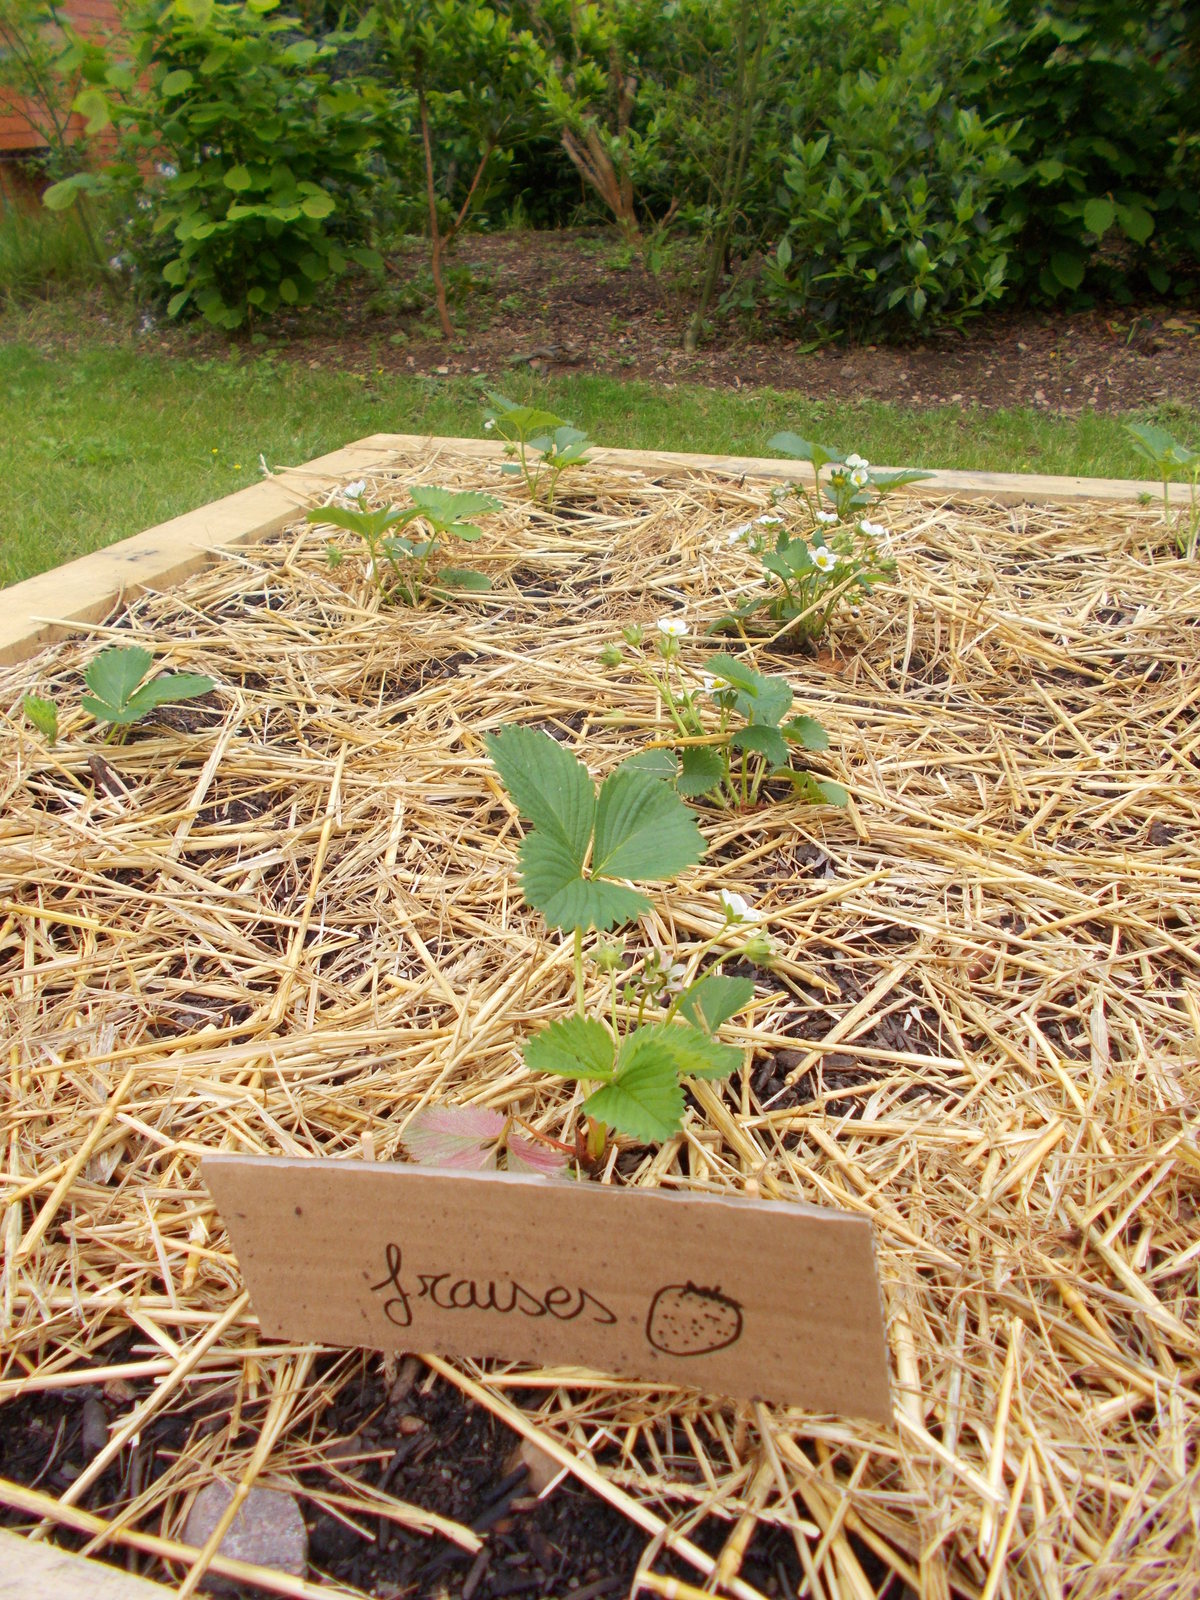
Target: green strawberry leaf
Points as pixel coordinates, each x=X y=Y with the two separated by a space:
x=44 y=716
x=644 y=1099
x=577 y=1047
x=167 y=690
x=806 y=731
x=696 y=1054
x=643 y=830
x=764 y=741
x=759 y=698
x=817 y=791
x=115 y=674
x=548 y=786
x=791 y=444
x=713 y=999
x=701 y=769
x=554 y=884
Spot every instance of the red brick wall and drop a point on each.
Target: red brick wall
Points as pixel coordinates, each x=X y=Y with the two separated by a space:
x=93 y=19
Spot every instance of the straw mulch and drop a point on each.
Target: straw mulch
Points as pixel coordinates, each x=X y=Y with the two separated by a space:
x=280 y=924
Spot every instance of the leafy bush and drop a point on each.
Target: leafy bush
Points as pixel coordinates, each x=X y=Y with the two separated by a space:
x=259 y=155
x=1100 y=101
x=893 y=211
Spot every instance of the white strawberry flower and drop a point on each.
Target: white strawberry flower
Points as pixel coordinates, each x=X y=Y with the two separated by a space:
x=872 y=530
x=769 y=520
x=860 y=477
x=489 y=425
x=738 y=908
x=853 y=460
x=827 y=518
x=355 y=490
x=673 y=627
x=675 y=975
x=736 y=535
x=823 y=558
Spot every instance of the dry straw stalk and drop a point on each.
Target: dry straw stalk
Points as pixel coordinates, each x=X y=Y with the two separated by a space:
x=279 y=923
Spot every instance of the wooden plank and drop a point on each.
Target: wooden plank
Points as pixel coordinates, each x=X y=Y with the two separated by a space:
x=30 y=1571
x=1004 y=488
x=43 y=608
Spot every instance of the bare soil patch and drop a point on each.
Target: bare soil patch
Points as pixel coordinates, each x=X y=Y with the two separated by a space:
x=580 y=301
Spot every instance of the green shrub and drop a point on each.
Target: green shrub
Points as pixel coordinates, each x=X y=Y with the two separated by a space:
x=1101 y=97
x=257 y=193
x=891 y=216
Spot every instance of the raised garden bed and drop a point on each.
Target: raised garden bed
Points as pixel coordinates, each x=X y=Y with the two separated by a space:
x=279 y=919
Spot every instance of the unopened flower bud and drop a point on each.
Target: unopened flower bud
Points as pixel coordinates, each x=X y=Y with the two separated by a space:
x=759 y=949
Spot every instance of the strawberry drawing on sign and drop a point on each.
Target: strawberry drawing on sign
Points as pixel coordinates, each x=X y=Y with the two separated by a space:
x=686 y=1320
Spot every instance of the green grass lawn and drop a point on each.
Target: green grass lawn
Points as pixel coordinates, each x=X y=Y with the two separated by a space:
x=101 y=441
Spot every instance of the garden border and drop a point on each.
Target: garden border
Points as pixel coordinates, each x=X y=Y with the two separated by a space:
x=53 y=604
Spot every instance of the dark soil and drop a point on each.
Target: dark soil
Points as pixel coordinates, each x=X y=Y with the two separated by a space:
x=421 y=1442
x=582 y=301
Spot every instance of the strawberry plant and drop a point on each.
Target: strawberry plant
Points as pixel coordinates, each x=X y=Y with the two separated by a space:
x=754 y=734
x=1170 y=459
x=120 y=694
x=399 y=565
x=576 y=859
x=808 y=578
x=555 y=443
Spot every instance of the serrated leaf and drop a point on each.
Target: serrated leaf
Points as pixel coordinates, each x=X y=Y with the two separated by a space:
x=43 y=714
x=713 y=999
x=882 y=481
x=643 y=829
x=806 y=731
x=554 y=885
x=454 y=1136
x=695 y=1053
x=701 y=770
x=115 y=674
x=644 y=1100
x=1136 y=223
x=760 y=698
x=576 y=1047
x=817 y=791
x=527 y=1155
x=1067 y=269
x=92 y=103
x=170 y=689
x=791 y=444
x=548 y=786
x=447 y=506
x=762 y=740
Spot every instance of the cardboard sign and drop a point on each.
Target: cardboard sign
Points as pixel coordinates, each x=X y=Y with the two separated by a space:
x=760 y=1300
